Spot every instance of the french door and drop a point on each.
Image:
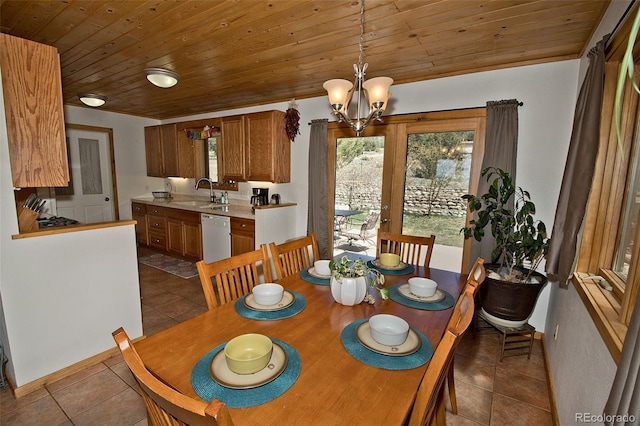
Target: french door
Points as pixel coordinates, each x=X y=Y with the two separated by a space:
x=413 y=170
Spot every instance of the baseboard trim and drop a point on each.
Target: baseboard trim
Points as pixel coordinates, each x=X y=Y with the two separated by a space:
x=33 y=386
x=552 y=393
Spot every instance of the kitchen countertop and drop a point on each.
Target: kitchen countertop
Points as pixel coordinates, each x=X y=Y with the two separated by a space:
x=235 y=208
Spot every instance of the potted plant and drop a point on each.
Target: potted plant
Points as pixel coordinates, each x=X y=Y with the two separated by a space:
x=349 y=281
x=512 y=285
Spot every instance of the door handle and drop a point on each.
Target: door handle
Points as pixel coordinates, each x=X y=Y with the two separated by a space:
x=384 y=220
x=106 y=198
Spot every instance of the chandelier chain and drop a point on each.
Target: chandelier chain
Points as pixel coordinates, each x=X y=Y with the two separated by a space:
x=361 y=32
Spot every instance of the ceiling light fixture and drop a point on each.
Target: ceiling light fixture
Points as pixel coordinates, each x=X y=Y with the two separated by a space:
x=376 y=91
x=92 y=100
x=161 y=77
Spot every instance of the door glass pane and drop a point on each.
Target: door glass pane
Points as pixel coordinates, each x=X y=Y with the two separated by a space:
x=358 y=190
x=90 y=171
x=436 y=176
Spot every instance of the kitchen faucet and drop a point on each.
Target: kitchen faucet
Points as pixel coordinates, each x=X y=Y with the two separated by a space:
x=212 y=195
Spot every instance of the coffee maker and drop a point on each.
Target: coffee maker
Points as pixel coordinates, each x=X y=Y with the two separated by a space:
x=260 y=197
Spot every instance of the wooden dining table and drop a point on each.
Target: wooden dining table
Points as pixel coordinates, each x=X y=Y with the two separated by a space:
x=333 y=387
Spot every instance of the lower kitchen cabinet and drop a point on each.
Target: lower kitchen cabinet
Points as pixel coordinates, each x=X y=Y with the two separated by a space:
x=184 y=233
x=139 y=214
x=172 y=230
x=243 y=237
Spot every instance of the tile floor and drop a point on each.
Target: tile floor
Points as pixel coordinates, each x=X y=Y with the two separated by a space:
x=489 y=392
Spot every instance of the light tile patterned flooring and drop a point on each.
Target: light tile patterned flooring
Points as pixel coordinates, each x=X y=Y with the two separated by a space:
x=489 y=392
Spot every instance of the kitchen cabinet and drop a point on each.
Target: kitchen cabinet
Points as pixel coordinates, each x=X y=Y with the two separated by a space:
x=161 y=149
x=184 y=233
x=242 y=235
x=255 y=147
x=231 y=153
x=157 y=227
x=139 y=214
x=191 y=156
x=32 y=91
x=172 y=230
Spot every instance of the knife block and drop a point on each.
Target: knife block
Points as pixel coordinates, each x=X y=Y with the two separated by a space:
x=27 y=219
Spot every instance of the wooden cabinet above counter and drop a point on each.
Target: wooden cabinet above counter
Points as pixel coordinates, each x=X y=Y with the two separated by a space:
x=32 y=90
x=252 y=147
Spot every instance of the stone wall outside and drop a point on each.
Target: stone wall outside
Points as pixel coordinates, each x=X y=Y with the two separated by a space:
x=359 y=195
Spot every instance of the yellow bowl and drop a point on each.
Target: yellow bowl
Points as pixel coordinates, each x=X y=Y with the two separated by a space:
x=389 y=259
x=248 y=353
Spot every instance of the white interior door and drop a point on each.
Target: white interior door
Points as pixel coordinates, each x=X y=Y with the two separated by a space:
x=89 y=198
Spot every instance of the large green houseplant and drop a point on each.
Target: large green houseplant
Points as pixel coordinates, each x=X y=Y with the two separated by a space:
x=521 y=243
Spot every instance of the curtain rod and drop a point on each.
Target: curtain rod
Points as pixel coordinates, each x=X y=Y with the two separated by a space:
x=457 y=109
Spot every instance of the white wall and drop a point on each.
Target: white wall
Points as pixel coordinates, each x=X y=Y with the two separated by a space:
x=62 y=295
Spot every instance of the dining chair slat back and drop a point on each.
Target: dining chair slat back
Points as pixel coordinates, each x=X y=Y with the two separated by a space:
x=165 y=405
x=429 y=406
x=234 y=276
x=293 y=256
x=474 y=280
x=414 y=250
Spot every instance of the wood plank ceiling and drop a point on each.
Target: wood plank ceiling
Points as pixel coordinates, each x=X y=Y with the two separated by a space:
x=236 y=53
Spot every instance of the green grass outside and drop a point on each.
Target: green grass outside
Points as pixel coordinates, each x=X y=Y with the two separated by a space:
x=445 y=228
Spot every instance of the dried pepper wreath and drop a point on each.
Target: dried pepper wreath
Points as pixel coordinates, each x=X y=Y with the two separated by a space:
x=292 y=118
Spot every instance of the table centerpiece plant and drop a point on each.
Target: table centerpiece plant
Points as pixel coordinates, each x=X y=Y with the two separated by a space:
x=521 y=243
x=350 y=280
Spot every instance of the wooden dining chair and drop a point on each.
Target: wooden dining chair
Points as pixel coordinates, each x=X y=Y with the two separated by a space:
x=234 y=276
x=410 y=248
x=165 y=405
x=474 y=280
x=293 y=256
x=429 y=405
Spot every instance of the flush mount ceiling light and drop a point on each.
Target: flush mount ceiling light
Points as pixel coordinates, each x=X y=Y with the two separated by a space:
x=92 y=100
x=161 y=77
x=375 y=90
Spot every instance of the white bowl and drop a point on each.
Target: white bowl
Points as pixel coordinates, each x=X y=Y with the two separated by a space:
x=322 y=267
x=422 y=287
x=268 y=293
x=388 y=330
x=390 y=260
x=248 y=353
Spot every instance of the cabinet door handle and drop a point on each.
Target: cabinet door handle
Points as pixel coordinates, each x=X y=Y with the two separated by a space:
x=243 y=225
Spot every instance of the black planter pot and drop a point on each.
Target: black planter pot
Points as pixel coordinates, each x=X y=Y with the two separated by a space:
x=510 y=301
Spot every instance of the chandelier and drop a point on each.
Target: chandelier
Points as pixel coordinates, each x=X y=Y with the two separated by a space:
x=376 y=91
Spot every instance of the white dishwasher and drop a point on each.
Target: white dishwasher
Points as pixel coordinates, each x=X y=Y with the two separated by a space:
x=216 y=238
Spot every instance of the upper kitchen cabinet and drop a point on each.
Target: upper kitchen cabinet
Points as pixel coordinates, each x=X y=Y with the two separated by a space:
x=255 y=147
x=232 y=149
x=32 y=90
x=161 y=147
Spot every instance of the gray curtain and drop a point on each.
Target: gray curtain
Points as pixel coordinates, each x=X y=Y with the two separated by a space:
x=624 y=398
x=500 y=150
x=317 y=215
x=578 y=171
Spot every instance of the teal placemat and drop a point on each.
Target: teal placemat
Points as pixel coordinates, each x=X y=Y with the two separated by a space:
x=296 y=307
x=408 y=270
x=207 y=388
x=445 y=303
x=305 y=275
x=388 y=362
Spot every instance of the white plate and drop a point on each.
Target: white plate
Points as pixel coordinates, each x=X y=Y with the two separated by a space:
x=403 y=289
x=401 y=265
x=221 y=374
x=286 y=301
x=411 y=345
x=313 y=273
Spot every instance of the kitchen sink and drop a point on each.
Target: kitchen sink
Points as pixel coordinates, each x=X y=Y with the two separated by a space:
x=223 y=207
